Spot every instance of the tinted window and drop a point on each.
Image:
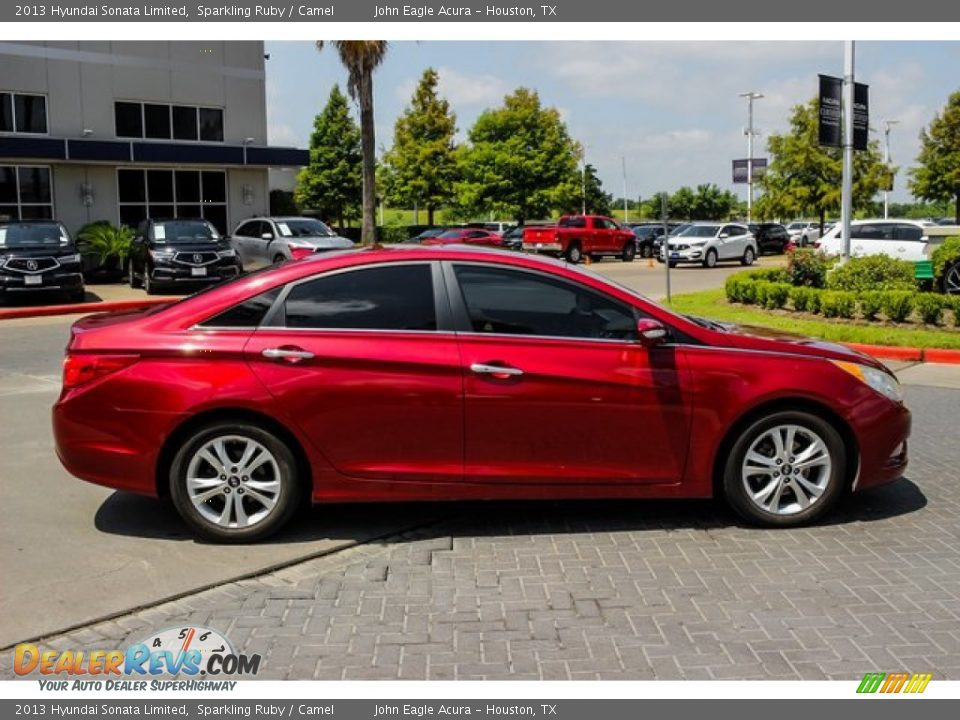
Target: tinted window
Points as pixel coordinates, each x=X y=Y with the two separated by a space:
x=156 y=121
x=35 y=235
x=909 y=232
x=183 y=231
x=30 y=112
x=382 y=298
x=184 y=123
x=128 y=119
x=250 y=229
x=572 y=222
x=211 y=124
x=247 y=314
x=6 y=113
x=520 y=303
x=873 y=232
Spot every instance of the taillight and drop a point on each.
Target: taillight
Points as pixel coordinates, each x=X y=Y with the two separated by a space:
x=81 y=369
x=556 y=237
x=298 y=253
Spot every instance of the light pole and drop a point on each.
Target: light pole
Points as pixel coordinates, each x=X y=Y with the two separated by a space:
x=846 y=200
x=750 y=132
x=626 y=211
x=886 y=161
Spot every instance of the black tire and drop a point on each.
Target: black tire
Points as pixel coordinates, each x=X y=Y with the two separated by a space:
x=748 y=256
x=573 y=255
x=710 y=259
x=286 y=504
x=629 y=251
x=646 y=251
x=277 y=259
x=149 y=287
x=950 y=281
x=132 y=280
x=733 y=484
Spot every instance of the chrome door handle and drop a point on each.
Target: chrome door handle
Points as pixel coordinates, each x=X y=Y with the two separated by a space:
x=287 y=354
x=497 y=371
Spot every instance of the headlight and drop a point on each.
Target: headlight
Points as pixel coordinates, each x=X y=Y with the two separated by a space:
x=70 y=258
x=162 y=254
x=229 y=252
x=881 y=381
x=698 y=244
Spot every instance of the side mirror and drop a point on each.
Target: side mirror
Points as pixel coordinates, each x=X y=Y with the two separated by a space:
x=650 y=332
x=267 y=236
x=724 y=236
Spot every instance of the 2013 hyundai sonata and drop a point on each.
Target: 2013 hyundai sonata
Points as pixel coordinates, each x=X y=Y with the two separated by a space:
x=419 y=373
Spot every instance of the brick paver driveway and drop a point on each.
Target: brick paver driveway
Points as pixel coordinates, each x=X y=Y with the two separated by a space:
x=616 y=590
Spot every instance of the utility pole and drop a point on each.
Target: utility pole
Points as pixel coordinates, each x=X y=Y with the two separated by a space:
x=846 y=205
x=583 y=185
x=626 y=210
x=750 y=132
x=665 y=245
x=886 y=161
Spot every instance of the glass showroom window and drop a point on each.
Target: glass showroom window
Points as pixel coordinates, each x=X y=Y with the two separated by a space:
x=173 y=194
x=25 y=193
x=21 y=113
x=159 y=121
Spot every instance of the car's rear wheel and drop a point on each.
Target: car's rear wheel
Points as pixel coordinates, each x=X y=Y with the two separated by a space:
x=148 y=285
x=785 y=469
x=629 y=251
x=278 y=258
x=574 y=255
x=951 y=279
x=710 y=261
x=748 y=256
x=234 y=482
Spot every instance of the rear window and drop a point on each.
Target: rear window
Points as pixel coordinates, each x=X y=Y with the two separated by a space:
x=572 y=222
x=250 y=313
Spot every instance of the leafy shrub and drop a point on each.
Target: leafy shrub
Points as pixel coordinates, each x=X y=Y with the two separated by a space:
x=929 y=307
x=760 y=291
x=393 y=233
x=873 y=272
x=804 y=299
x=808 y=267
x=838 y=303
x=733 y=287
x=953 y=303
x=897 y=305
x=748 y=292
x=871 y=304
x=105 y=241
x=774 y=275
x=777 y=294
x=944 y=256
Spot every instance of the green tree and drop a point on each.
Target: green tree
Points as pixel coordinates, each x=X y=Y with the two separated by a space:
x=680 y=205
x=421 y=165
x=711 y=203
x=652 y=207
x=589 y=194
x=937 y=177
x=520 y=161
x=803 y=178
x=331 y=183
x=361 y=58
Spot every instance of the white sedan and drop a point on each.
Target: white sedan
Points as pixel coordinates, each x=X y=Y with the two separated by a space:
x=709 y=243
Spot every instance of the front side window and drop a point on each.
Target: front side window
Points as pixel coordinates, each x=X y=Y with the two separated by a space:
x=514 y=302
x=398 y=297
x=909 y=232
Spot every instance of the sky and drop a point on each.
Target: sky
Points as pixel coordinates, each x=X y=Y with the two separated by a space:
x=670 y=110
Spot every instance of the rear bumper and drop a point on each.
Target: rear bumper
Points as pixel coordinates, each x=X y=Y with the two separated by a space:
x=543 y=247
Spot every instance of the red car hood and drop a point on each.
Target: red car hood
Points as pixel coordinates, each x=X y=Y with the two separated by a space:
x=750 y=337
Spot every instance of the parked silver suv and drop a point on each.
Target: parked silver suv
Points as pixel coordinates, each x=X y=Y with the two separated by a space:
x=264 y=241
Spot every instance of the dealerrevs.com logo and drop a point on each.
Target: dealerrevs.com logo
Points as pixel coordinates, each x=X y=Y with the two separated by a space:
x=185 y=651
x=898 y=682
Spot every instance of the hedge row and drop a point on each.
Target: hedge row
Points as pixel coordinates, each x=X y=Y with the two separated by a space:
x=767 y=288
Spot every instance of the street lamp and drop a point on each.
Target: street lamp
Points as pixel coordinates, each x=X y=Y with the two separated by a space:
x=750 y=132
x=888 y=124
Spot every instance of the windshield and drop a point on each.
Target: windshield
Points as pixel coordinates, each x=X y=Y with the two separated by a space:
x=304 y=228
x=185 y=231
x=699 y=231
x=33 y=234
x=795 y=226
x=451 y=234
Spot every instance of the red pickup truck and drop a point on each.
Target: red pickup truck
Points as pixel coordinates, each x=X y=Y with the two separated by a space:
x=575 y=236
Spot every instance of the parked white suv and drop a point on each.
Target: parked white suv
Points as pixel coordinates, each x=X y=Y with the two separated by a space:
x=710 y=243
x=903 y=239
x=803 y=233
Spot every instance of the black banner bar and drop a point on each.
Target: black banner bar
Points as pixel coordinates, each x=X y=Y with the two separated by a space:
x=830 y=128
x=861 y=116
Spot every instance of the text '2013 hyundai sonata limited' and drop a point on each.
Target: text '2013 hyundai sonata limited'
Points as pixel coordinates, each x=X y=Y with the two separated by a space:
x=442 y=373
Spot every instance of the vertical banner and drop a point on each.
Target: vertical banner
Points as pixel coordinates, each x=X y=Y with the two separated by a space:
x=740 y=175
x=830 y=131
x=861 y=116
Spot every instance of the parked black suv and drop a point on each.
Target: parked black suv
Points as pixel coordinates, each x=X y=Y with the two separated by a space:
x=771 y=237
x=38 y=255
x=172 y=252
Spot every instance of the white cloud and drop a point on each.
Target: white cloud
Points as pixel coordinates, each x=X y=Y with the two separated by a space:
x=461 y=89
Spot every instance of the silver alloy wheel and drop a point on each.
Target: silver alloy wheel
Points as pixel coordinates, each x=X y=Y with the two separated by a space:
x=575 y=254
x=233 y=481
x=786 y=469
x=711 y=258
x=951 y=281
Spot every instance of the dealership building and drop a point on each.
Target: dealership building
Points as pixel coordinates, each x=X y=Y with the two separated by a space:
x=123 y=131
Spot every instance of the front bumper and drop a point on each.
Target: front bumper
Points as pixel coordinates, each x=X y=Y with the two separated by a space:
x=173 y=273
x=882 y=432
x=55 y=280
x=694 y=255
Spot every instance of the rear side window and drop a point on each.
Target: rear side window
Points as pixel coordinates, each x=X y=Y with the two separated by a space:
x=249 y=313
x=396 y=297
x=909 y=232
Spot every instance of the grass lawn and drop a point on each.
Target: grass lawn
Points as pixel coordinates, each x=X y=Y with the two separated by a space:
x=713 y=304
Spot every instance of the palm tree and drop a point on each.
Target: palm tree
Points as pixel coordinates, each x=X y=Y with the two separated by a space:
x=361 y=58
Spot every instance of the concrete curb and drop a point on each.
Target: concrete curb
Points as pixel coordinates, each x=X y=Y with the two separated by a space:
x=82 y=308
x=908 y=354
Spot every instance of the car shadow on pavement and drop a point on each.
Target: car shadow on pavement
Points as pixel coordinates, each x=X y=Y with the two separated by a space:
x=45 y=299
x=131 y=515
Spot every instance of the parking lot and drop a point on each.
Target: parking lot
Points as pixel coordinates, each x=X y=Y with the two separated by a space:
x=521 y=590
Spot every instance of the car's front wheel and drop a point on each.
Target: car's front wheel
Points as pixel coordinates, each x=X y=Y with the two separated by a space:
x=629 y=252
x=950 y=284
x=710 y=261
x=234 y=482
x=785 y=469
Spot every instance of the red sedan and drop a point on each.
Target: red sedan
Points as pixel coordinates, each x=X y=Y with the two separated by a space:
x=465 y=236
x=415 y=373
